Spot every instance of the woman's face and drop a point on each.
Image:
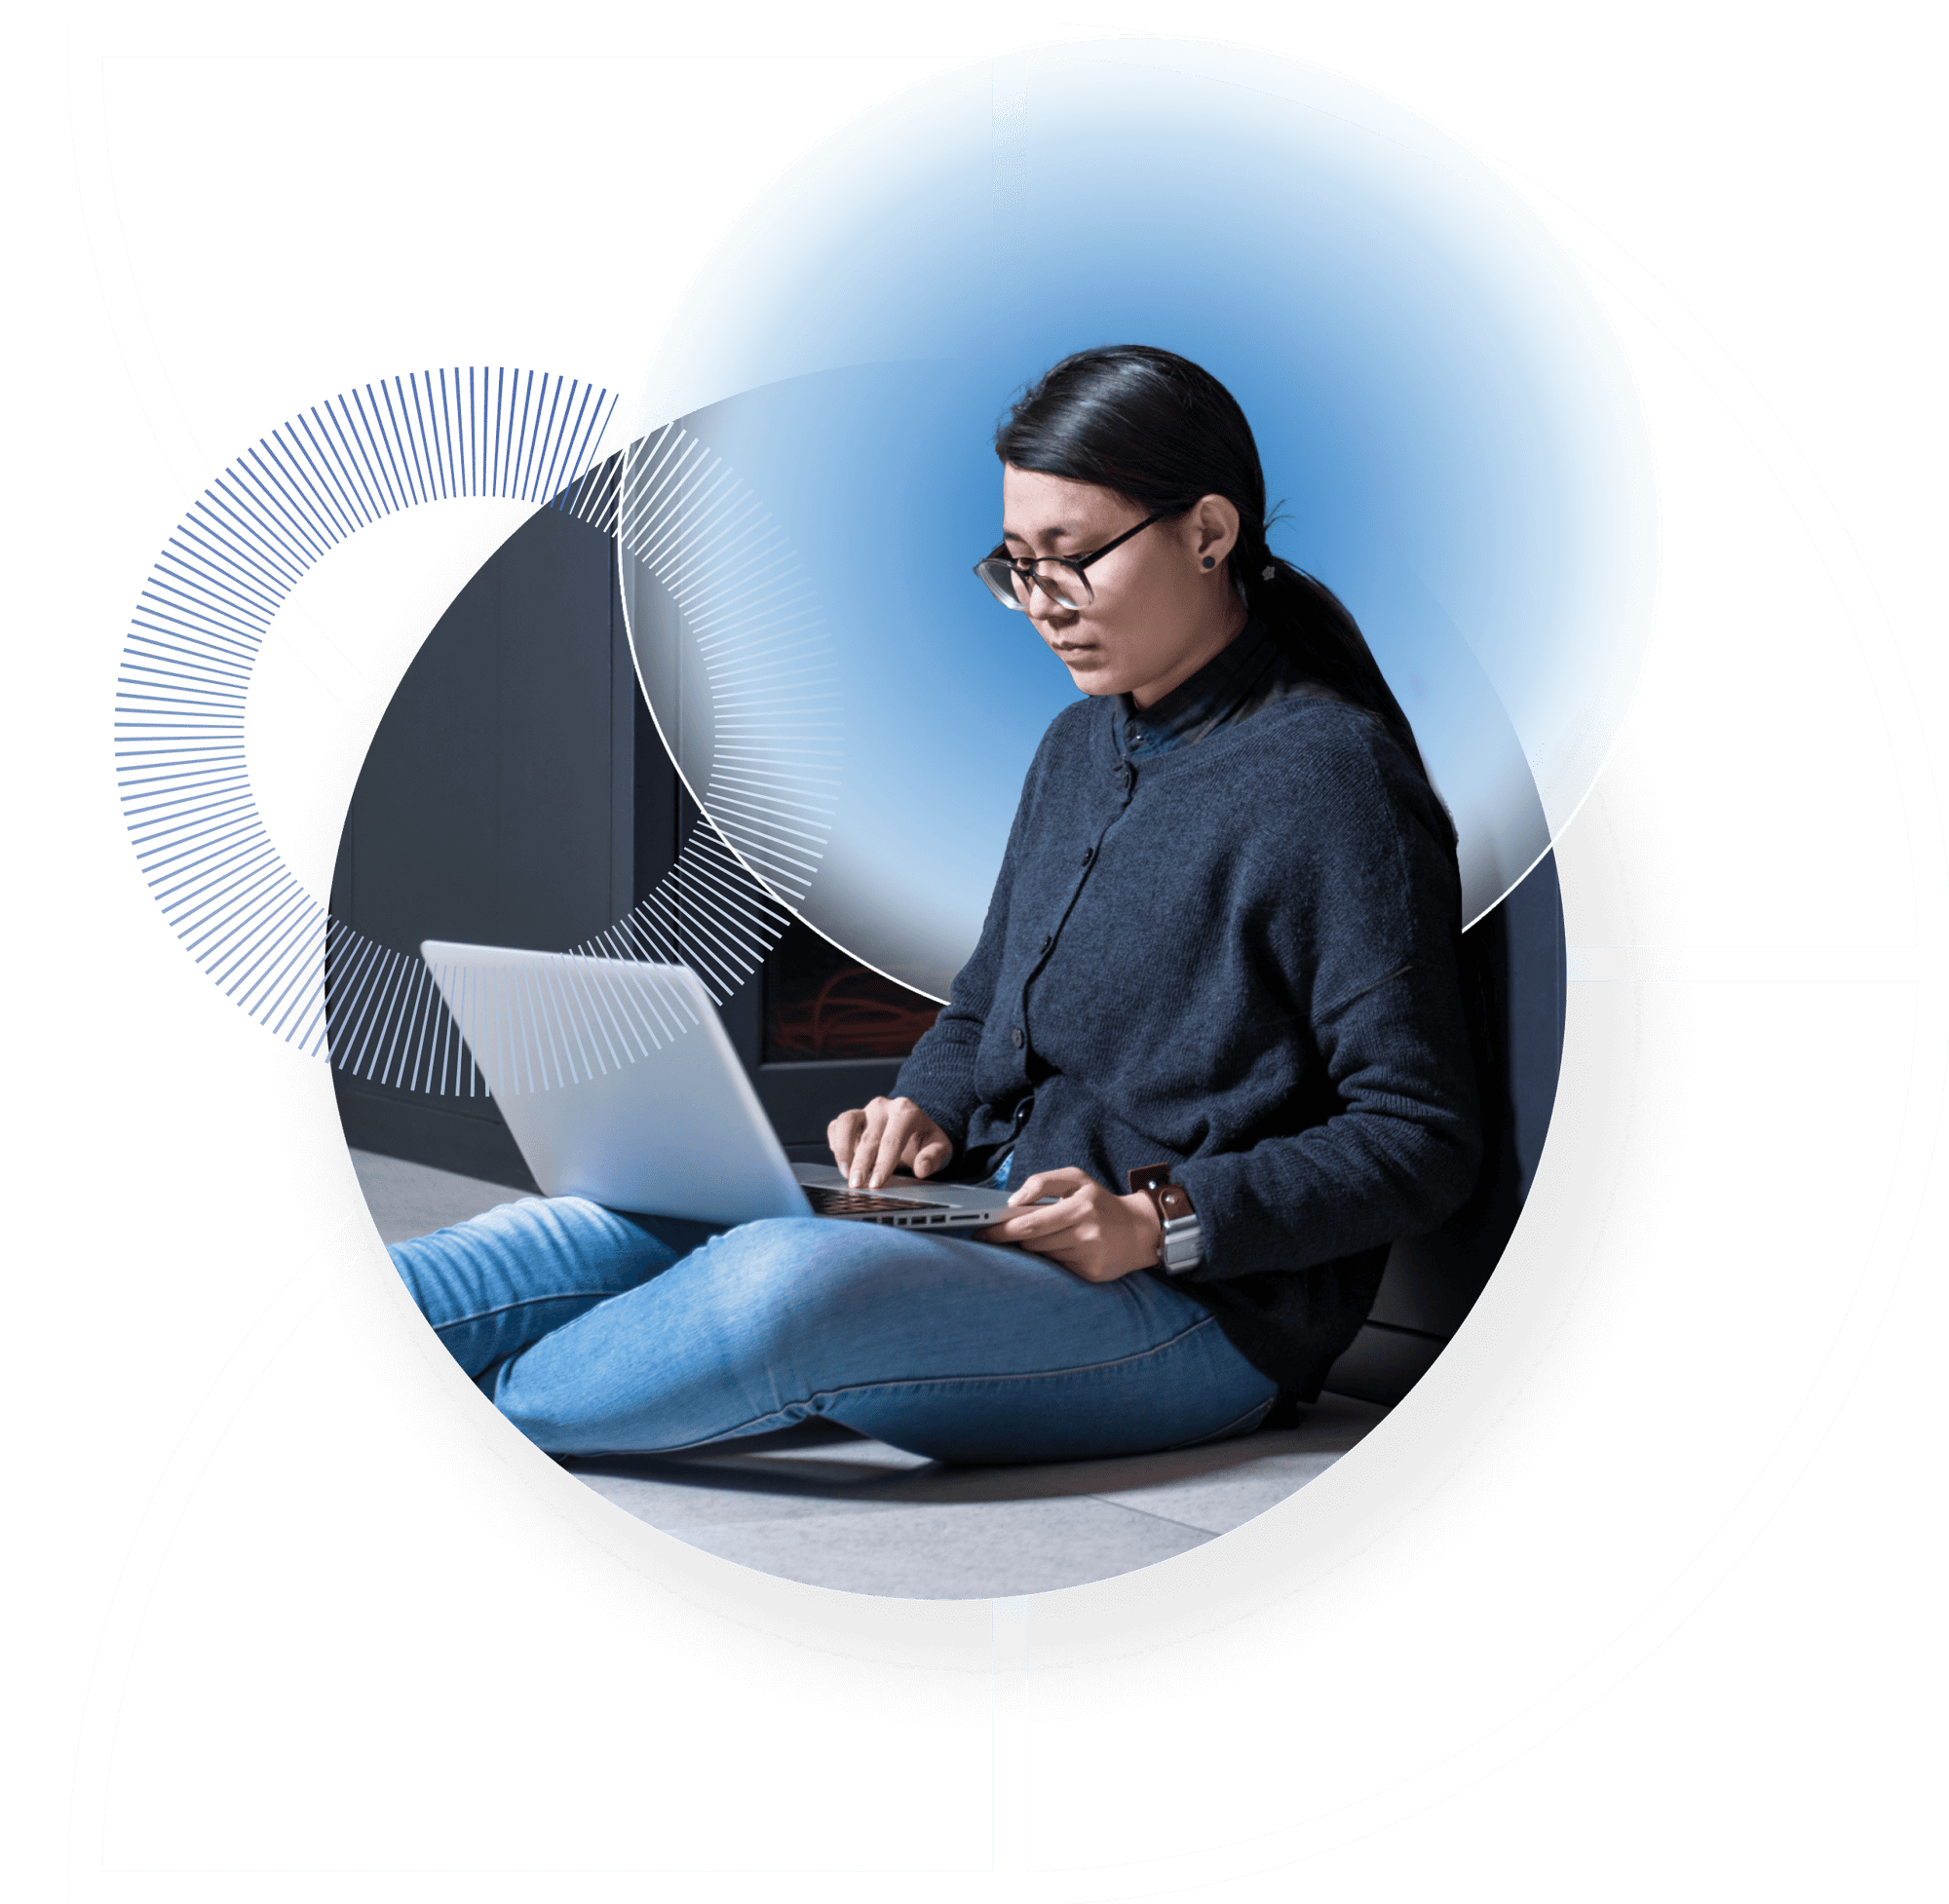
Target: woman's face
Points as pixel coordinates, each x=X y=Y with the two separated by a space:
x=1159 y=612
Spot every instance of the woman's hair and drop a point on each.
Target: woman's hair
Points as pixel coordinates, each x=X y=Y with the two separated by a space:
x=1158 y=430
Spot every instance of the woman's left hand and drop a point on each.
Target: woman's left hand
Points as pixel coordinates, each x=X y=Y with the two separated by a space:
x=1092 y=1232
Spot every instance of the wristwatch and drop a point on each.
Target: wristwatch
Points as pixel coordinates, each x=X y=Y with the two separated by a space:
x=1181 y=1246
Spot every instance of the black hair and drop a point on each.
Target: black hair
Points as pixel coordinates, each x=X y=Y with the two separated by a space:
x=1163 y=433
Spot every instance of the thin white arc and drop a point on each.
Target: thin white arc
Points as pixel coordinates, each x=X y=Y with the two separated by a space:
x=108 y=1681
x=328 y=664
x=1825 y=529
x=1920 y=1117
x=108 y=246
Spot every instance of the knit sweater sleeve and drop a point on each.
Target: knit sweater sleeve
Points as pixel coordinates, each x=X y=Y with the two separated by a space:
x=1390 y=1142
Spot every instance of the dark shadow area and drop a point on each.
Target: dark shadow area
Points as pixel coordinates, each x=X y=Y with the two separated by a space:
x=818 y=1461
x=1514 y=965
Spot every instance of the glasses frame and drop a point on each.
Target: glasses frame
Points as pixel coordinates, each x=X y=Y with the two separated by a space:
x=1077 y=563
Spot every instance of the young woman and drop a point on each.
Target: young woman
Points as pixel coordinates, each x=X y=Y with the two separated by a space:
x=1214 y=1010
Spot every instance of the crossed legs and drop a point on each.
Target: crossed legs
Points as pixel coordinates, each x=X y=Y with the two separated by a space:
x=595 y=1332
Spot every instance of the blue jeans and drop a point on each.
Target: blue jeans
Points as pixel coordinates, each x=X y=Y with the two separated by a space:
x=601 y=1333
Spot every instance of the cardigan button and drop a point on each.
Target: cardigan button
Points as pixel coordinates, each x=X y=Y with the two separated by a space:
x=1047 y=939
x=1089 y=854
x=1015 y=1038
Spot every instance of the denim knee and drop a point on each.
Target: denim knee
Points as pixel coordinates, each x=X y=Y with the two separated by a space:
x=808 y=1294
x=785 y=1272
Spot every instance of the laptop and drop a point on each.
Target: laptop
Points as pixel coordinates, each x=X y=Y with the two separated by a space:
x=619 y=1084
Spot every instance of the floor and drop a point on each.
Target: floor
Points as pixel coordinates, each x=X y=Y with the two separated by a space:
x=819 y=1505
x=409 y=1199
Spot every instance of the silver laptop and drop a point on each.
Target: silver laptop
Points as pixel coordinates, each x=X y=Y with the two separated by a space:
x=619 y=1085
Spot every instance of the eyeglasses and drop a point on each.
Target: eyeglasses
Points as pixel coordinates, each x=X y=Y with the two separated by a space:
x=1060 y=577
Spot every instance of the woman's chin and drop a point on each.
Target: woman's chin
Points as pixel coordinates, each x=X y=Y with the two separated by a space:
x=1094 y=675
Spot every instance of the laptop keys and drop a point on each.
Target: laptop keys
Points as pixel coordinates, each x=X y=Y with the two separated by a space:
x=861 y=1202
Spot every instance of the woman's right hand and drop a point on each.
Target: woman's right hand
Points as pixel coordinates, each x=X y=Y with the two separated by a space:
x=870 y=1145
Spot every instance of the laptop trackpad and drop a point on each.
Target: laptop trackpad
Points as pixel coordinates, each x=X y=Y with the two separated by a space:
x=904 y=1188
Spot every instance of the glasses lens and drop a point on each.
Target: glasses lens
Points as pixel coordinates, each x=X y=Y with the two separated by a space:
x=1006 y=583
x=1060 y=585
x=1065 y=586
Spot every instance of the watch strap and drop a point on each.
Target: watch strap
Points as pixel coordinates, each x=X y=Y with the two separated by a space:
x=1172 y=1200
x=1181 y=1237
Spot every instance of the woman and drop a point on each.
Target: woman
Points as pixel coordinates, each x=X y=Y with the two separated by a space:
x=1214 y=1010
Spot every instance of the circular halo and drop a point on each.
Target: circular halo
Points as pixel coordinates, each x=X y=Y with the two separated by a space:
x=1436 y=395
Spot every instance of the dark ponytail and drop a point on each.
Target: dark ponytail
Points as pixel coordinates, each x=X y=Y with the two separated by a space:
x=1160 y=430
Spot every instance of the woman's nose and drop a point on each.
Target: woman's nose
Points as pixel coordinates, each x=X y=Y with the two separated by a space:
x=1047 y=612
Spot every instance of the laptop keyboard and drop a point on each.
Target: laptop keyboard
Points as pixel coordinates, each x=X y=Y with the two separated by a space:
x=861 y=1202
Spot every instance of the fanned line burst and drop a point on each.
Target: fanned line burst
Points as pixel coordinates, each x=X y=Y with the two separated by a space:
x=702 y=537
x=562 y=1020
x=434 y=436
x=313 y=979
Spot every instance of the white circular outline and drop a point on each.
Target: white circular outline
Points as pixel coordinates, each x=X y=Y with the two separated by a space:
x=1252 y=69
x=1689 y=1592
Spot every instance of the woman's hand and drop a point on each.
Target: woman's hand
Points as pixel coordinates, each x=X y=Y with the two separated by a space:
x=1092 y=1232
x=889 y=1133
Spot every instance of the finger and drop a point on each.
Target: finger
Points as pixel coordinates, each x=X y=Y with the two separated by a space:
x=1044 y=1223
x=1010 y=1227
x=842 y=1133
x=911 y=1136
x=1074 y=1252
x=866 y=1158
x=931 y=1157
x=867 y=1142
x=894 y=1135
x=1051 y=1183
x=1058 y=1207
x=1069 y=1250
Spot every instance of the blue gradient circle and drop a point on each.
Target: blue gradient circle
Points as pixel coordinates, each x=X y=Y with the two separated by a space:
x=1437 y=398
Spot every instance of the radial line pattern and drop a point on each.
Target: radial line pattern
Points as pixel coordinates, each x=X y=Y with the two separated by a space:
x=313 y=979
x=730 y=572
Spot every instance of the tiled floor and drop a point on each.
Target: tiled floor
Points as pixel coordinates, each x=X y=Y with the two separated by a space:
x=407 y=1200
x=818 y=1505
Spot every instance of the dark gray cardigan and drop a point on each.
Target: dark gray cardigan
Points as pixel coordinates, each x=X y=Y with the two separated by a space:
x=1238 y=957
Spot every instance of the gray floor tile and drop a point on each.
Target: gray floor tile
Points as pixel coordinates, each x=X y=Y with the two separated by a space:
x=972 y=1551
x=410 y=1200
x=1254 y=1474
x=809 y=1506
x=1218 y=1503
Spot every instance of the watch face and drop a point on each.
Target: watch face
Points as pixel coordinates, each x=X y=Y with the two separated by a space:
x=1182 y=1245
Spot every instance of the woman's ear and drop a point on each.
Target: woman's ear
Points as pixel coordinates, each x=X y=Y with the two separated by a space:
x=1214 y=522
